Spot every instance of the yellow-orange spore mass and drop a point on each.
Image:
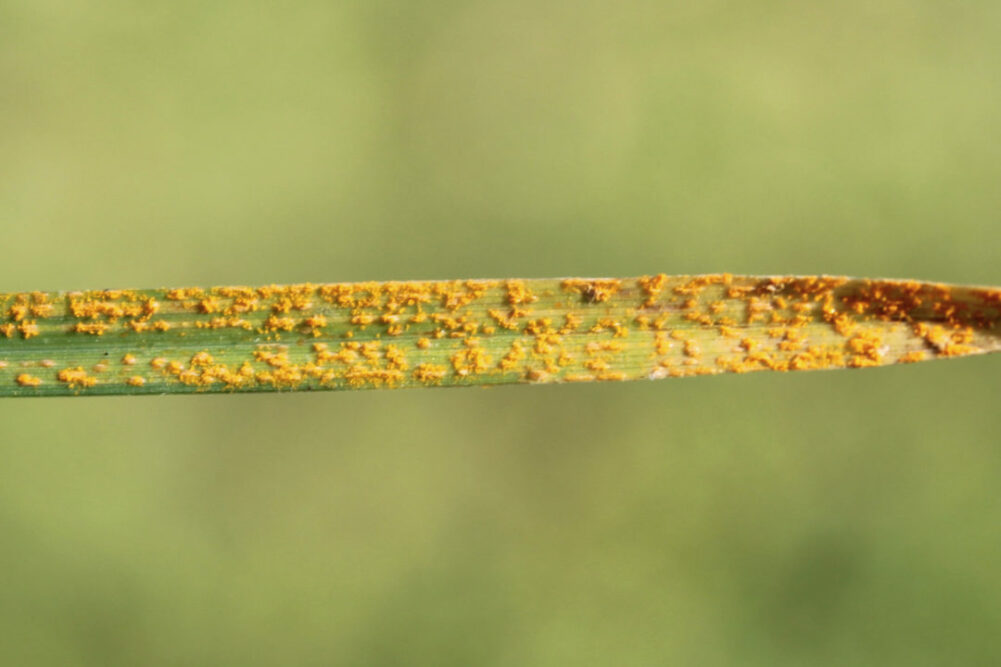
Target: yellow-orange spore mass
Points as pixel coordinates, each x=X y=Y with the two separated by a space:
x=26 y=380
x=76 y=377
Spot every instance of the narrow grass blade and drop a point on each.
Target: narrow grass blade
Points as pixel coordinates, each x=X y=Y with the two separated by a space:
x=476 y=332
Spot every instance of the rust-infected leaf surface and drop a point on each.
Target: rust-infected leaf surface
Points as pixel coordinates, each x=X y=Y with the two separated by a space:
x=477 y=332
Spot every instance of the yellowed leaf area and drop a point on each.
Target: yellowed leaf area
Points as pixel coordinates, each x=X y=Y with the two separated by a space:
x=477 y=332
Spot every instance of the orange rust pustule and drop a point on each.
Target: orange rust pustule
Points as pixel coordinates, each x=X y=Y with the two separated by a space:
x=594 y=290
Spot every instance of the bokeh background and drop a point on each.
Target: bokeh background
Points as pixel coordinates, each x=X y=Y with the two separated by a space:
x=818 y=518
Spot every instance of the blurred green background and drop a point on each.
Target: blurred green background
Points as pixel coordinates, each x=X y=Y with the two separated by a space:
x=816 y=518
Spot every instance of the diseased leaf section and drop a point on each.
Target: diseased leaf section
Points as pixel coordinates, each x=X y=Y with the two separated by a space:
x=476 y=332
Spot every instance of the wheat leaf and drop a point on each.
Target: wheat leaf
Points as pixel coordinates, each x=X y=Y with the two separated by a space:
x=476 y=332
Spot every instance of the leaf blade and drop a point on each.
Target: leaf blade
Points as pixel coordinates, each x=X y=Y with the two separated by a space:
x=477 y=332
